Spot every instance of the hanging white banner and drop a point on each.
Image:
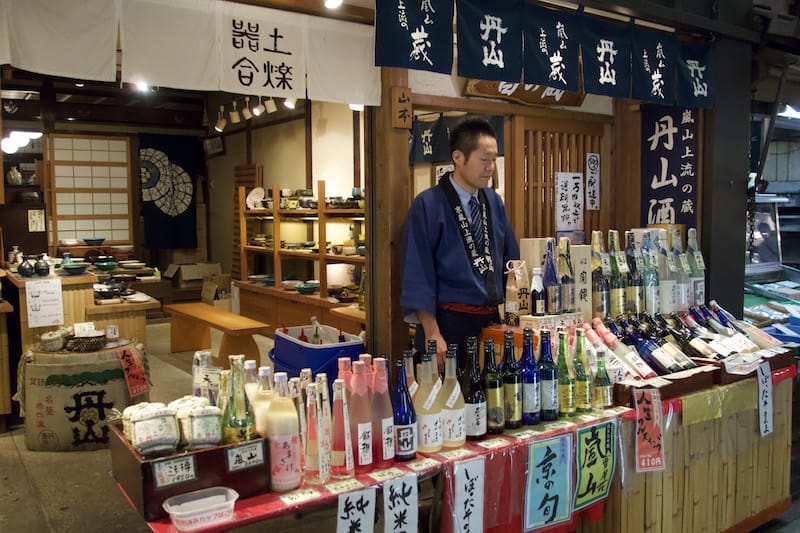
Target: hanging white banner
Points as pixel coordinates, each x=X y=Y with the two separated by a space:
x=170 y=43
x=262 y=51
x=569 y=201
x=69 y=38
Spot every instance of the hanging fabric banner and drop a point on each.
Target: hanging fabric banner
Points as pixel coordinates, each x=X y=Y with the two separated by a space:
x=669 y=165
x=262 y=51
x=185 y=28
x=654 y=54
x=490 y=40
x=414 y=34
x=430 y=139
x=552 y=41
x=605 y=51
x=422 y=142
x=569 y=201
x=695 y=88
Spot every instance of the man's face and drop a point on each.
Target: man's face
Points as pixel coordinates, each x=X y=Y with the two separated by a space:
x=474 y=170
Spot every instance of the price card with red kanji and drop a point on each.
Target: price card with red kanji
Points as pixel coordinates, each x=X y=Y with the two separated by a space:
x=133 y=367
x=649 y=436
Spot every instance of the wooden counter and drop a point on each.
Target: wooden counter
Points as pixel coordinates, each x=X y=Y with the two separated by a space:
x=5 y=362
x=290 y=308
x=129 y=317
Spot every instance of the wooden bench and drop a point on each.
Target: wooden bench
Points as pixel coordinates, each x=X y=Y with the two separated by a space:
x=190 y=330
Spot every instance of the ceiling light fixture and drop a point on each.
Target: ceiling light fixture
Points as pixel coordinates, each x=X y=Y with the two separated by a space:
x=271 y=106
x=34 y=135
x=357 y=107
x=221 y=122
x=8 y=146
x=290 y=102
x=79 y=84
x=246 y=113
x=789 y=112
x=333 y=4
x=259 y=109
x=142 y=86
x=234 y=114
x=20 y=138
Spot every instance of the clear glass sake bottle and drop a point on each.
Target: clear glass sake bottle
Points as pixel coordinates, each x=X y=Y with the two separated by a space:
x=297 y=398
x=493 y=387
x=634 y=292
x=316 y=470
x=566 y=383
x=601 y=387
x=238 y=423
x=548 y=374
x=451 y=403
x=566 y=276
x=538 y=299
x=283 y=430
x=583 y=379
x=324 y=410
x=405 y=418
x=408 y=366
x=341 y=445
x=429 y=416
x=382 y=415
x=250 y=379
x=474 y=397
x=360 y=418
x=531 y=386
x=512 y=384
x=601 y=269
x=616 y=281
x=666 y=274
x=263 y=396
x=697 y=267
x=652 y=285
x=683 y=295
x=552 y=284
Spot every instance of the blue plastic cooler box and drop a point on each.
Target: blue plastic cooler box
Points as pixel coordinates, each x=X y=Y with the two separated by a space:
x=290 y=354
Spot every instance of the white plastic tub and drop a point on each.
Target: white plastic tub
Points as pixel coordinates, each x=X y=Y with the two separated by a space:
x=201 y=508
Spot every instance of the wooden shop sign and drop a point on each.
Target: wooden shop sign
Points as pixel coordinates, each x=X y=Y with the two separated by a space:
x=522 y=93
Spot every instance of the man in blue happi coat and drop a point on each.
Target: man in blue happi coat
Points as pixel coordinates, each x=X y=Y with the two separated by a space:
x=457 y=241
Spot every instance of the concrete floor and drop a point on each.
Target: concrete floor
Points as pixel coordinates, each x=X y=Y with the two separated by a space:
x=74 y=492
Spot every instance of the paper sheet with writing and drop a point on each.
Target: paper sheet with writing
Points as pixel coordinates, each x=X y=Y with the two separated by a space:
x=468 y=503
x=548 y=487
x=569 y=201
x=649 y=434
x=765 y=415
x=356 y=511
x=400 y=509
x=44 y=302
x=596 y=459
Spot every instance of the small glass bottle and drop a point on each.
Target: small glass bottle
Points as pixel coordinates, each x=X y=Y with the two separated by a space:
x=324 y=410
x=405 y=418
x=583 y=380
x=566 y=383
x=408 y=364
x=316 y=471
x=297 y=399
x=548 y=374
x=552 y=284
x=538 y=303
x=345 y=373
x=284 y=438
x=382 y=415
x=601 y=388
x=493 y=386
x=263 y=397
x=512 y=384
x=238 y=423
x=342 y=446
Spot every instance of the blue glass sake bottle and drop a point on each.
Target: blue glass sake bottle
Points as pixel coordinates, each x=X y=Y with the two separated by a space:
x=405 y=418
x=531 y=387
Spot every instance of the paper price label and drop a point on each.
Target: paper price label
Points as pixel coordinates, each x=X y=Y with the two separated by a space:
x=174 y=471
x=422 y=464
x=493 y=444
x=245 y=456
x=299 y=496
x=459 y=453
x=345 y=485
x=385 y=474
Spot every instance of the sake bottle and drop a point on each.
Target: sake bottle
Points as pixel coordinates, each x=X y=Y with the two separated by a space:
x=250 y=379
x=316 y=469
x=262 y=398
x=451 y=403
x=531 y=386
x=634 y=291
x=512 y=384
x=566 y=383
x=552 y=285
x=408 y=367
x=283 y=430
x=360 y=418
x=601 y=387
x=341 y=447
x=697 y=266
x=405 y=418
x=683 y=286
x=382 y=415
x=652 y=285
x=548 y=374
x=666 y=274
x=297 y=398
x=601 y=269
x=238 y=423
x=616 y=281
x=345 y=373
x=429 y=417
x=224 y=389
x=324 y=409
x=538 y=306
x=305 y=379
x=368 y=372
x=583 y=380
x=566 y=276
x=474 y=397
x=493 y=385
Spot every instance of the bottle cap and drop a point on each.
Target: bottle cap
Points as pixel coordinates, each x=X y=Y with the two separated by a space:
x=366 y=359
x=264 y=371
x=250 y=364
x=379 y=364
x=537 y=270
x=358 y=367
x=610 y=338
x=344 y=363
x=321 y=377
x=281 y=377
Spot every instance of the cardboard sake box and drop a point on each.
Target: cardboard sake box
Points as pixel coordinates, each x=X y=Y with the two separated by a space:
x=191 y=274
x=147 y=483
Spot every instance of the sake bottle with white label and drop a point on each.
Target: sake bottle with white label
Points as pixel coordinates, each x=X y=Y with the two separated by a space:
x=601 y=268
x=616 y=281
x=429 y=415
x=683 y=294
x=474 y=396
x=451 y=403
x=382 y=415
x=697 y=266
x=667 y=272
x=360 y=418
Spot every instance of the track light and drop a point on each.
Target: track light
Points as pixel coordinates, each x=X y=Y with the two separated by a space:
x=259 y=109
x=271 y=106
x=234 y=114
x=246 y=113
x=221 y=122
x=290 y=102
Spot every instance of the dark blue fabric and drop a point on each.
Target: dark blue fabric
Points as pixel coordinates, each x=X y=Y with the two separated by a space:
x=490 y=48
x=407 y=36
x=695 y=76
x=170 y=165
x=653 y=60
x=561 y=47
x=436 y=266
x=605 y=72
x=455 y=328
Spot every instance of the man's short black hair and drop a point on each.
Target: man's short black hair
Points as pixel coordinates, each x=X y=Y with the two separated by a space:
x=465 y=135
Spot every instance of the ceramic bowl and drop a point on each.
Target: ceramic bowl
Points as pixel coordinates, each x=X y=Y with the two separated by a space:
x=133 y=264
x=106 y=266
x=74 y=268
x=68 y=242
x=94 y=241
x=290 y=284
x=307 y=288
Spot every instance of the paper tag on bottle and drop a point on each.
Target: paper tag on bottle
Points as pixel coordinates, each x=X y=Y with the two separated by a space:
x=698 y=258
x=622 y=263
x=365 y=443
x=244 y=456
x=684 y=261
x=605 y=263
x=412 y=390
x=671 y=263
x=387 y=437
x=432 y=396
x=639 y=259
x=654 y=258
x=83 y=329
x=451 y=400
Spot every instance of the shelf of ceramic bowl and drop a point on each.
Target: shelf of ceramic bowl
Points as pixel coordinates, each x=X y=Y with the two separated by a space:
x=300 y=252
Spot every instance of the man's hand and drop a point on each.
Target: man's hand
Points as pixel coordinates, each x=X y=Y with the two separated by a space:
x=431 y=328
